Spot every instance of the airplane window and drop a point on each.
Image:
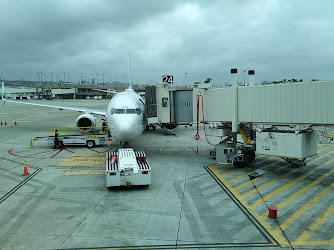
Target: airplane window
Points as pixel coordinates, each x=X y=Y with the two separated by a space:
x=119 y=111
x=130 y=111
x=138 y=111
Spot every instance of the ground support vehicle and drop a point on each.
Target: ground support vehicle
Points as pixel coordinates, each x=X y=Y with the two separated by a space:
x=127 y=167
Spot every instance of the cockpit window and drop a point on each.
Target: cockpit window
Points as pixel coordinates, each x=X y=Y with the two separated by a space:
x=125 y=111
x=119 y=111
x=130 y=111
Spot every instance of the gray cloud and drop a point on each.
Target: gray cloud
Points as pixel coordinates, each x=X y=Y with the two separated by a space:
x=279 y=39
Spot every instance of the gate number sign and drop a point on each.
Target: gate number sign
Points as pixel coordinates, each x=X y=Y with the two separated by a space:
x=167 y=79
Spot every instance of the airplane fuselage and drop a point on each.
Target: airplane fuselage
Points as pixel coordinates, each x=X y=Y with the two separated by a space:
x=125 y=116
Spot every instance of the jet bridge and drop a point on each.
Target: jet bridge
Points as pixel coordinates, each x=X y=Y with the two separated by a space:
x=169 y=107
x=277 y=119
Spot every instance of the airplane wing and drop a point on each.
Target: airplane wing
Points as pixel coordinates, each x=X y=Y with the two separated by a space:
x=107 y=91
x=85 y=110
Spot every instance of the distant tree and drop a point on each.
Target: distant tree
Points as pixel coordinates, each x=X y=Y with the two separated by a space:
x=300 y=80
x=314 y=80
x=208 y=80
x=294 y=80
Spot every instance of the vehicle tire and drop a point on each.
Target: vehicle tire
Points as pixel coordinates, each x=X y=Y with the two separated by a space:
x=90 y=144
x=242 y=164
x=251 y=155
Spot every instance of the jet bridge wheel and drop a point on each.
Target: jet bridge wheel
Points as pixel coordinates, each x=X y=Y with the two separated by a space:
x=251 y=154
x=241 y=164
x=248 y=157
x=90 y=144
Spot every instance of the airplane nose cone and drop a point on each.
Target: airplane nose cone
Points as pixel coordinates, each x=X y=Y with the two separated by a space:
x=124 y=133
x=127 y=130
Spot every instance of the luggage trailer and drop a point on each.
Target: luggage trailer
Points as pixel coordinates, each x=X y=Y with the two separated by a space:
x=127 y=167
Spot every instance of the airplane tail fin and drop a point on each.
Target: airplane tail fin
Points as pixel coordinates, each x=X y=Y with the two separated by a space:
x=3 y=95
x=130 y=73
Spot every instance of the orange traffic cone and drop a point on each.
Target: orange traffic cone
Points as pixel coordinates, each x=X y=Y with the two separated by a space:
x=25 y=171
x=82 y=131
x=1 y=122
x=5 y=122
x=15 y=123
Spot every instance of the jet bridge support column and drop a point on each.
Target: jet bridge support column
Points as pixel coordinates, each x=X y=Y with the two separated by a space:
x=251 y=77
x=235 y=106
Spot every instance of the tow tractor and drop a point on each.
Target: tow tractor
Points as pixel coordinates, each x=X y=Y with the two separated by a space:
x=89 y=136
x=127 y=167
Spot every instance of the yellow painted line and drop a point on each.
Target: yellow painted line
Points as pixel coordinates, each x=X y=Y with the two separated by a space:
x=83 y=161
x=240 y=177
x=251 y=172
x=316 y=225
x=291 y=183
x=85 y=172
x=231 y=172
x=249 y=182
x=306 y=207
x=288 y=200
x=241 y=170
x=323 y=147
x=239 y=200
x=264 y=167
x=220 y=166
x=320 y=145
x=314 y=243
x=189 y=246
x=320 y=157
x=22 y=182
x=267 y=184
x=283 y=176
x=88 y=154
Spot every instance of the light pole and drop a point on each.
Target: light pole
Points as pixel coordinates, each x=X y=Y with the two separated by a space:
x=81 y=78
x=186 y=77
x=41 y=77
x=103 y=78
x=97 y=78
x=37 y=77
x=124 y=79
x=51 y=76
x=64 y=76
x=44 y=78
x=116 y=80
x=57 y=78
x=244 y=77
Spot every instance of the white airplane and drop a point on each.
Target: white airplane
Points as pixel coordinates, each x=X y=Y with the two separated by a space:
x=124 y=115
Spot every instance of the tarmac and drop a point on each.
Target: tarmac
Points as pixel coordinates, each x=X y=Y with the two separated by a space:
x=193 y=202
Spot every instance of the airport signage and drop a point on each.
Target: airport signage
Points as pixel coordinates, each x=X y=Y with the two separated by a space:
x=167 y=79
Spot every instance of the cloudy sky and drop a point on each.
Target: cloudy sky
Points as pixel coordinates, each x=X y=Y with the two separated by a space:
x=192 y=40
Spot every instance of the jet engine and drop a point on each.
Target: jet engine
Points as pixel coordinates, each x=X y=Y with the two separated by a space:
x=169 y=126
x=86 y=120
